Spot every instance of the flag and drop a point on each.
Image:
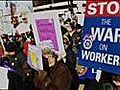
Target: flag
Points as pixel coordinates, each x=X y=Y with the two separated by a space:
x=34 y=57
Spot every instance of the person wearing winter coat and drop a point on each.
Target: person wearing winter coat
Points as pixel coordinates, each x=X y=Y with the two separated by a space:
x=56 y=76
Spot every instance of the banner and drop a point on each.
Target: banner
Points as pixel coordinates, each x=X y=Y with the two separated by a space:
x=101 y=36
x=34 y=57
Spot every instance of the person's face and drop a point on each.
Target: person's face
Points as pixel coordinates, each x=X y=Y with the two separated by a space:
x=13 y=9
x=25 y=20
x=11 y=53
x=68 y=27
x=51 y=59
x=19 y=39
x=78 y=30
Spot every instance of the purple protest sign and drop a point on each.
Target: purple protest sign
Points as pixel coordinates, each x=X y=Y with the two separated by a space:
x=46 y=31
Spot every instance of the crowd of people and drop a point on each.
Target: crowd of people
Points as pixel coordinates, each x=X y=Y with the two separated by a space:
x=56 y=75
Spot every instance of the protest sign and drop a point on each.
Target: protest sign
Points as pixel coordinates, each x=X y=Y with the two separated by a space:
x=101 y=36
x=34 y=57
x=46 y=27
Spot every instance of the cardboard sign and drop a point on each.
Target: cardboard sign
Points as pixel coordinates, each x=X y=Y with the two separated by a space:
x=46 y=29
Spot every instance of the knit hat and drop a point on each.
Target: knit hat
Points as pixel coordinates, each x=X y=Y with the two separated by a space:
x=47 y=50
x=78 y=26
x=10 y=47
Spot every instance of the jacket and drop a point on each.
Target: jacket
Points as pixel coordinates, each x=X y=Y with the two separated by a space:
x=58 y=78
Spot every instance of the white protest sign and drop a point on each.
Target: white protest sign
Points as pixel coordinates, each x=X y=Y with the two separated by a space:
x=46 y=26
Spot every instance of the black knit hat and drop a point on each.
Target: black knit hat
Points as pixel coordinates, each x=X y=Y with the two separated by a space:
x=10 y=47
x=78 y=26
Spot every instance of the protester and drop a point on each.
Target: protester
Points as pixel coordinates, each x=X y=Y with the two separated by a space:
x=70 y=54
x=15 y=62
x=107 y=81
x=58 y=76
x=77 y=37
